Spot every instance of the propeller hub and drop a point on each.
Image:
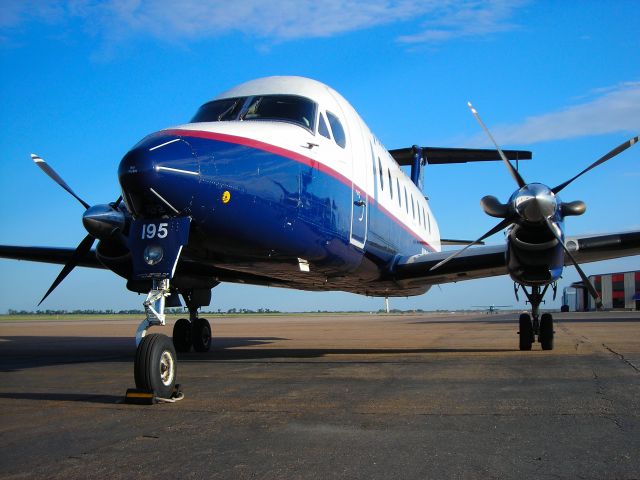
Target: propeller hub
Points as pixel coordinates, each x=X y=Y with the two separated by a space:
x=535 y=202
x=102 y=221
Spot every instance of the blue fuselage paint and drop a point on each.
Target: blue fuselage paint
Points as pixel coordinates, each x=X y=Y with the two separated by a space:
x=260 y=211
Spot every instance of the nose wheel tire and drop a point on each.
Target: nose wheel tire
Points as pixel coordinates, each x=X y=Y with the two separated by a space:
x=546 y=332
x=155 y=365
x=526 y=332
x=201 y=335
x=182 y=335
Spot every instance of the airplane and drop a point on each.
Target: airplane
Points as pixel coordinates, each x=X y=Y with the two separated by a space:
x=279 y=182
x=491 y=308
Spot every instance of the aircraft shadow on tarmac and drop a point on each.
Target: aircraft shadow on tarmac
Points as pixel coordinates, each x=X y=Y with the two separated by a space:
x=514 y=319
x=25 y=352
x=64 y=397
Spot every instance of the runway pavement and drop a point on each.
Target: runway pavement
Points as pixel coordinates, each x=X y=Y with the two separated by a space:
x=333 y=396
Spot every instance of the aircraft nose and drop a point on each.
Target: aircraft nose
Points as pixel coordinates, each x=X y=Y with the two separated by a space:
x=156 y=177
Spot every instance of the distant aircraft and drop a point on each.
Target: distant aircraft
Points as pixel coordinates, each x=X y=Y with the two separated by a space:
x=492 y=308
x=279 y=182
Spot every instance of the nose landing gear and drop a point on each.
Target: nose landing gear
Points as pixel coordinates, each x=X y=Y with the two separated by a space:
x=155 y=365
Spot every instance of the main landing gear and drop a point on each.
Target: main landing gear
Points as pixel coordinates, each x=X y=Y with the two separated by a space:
x=540 y=325
x=194 y=332
x=155 y=366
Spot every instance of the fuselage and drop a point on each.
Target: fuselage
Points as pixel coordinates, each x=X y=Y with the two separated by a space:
x=283 y=180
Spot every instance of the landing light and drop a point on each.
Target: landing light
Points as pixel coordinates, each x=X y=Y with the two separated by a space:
x=153 y=254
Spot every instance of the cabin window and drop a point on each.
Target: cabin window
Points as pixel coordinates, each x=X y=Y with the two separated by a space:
x=322 y=126
x=285 y=108
x=413 y=207
x=406 y=200
x=390 y=184
x=381 y=177
x=336 y=128
x=219 y=110
x=373 y=162
x=399 y=196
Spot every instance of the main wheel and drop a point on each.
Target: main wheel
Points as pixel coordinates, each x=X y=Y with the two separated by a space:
x=156 y=364
x=526 y=332
x=546 y=331
x=201 y=335
x=182 y=335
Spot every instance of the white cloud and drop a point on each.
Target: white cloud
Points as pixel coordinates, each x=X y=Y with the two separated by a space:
x=277 y=21
x=466 y=19
x=614 y=109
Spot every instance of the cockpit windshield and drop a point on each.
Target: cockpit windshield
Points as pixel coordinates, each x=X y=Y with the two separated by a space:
x=286 y=108
x=289 y=108
x=219 y=110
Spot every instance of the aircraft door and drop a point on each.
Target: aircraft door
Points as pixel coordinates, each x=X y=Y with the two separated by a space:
x=359 y=203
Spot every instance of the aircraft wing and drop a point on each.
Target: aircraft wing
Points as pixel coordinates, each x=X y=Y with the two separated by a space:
x=490 y=260
x=48 y=255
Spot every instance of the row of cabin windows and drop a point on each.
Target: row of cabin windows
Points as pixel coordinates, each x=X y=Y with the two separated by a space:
x=286 y=108
x=424 y=219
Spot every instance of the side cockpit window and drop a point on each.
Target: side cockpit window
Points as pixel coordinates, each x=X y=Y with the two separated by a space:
x=219 y=110
x=338 y=132
x=322 y=127
x=287 y=108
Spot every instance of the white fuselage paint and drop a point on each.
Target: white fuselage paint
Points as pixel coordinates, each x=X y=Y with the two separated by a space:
x=400 y=197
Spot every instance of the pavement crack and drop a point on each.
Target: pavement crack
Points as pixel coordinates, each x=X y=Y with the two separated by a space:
x=621 y=357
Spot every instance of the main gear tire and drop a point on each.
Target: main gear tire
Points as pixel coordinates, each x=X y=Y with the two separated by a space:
x=201 y=335
x=546 y=331
x=182 y=335
x=526 y=332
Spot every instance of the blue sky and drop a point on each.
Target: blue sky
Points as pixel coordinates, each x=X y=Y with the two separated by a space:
x=83 y=81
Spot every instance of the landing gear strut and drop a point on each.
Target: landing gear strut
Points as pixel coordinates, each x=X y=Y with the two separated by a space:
x=533 y=325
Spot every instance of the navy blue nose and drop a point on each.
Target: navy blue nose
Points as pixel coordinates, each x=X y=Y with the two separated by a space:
x=157 y=177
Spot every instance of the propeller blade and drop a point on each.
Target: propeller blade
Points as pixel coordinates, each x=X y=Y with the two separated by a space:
x=503 y=224
x=592 y=290
x=619 y=149
x=80 y=252
x=51 y=173
x=512 y=171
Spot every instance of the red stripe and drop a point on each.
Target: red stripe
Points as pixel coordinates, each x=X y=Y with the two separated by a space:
x=249 y=142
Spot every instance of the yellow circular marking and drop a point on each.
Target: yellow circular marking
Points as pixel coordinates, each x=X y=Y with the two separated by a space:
x=226 y=196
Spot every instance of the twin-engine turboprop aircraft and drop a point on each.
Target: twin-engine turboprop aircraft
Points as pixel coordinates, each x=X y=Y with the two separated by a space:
x=279 y=182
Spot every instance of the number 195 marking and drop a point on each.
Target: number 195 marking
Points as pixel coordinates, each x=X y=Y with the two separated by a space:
x=149 y=230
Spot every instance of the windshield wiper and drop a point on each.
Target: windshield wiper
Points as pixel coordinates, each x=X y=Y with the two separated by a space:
x=228 y=110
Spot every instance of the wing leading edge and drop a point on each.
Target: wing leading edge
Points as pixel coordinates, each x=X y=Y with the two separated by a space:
x=490 y=260
x=55 y=255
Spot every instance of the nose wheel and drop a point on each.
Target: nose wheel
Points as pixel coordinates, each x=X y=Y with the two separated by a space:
x=155 y=366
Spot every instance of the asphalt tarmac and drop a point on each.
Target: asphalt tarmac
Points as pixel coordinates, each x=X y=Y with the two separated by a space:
x=334 y=396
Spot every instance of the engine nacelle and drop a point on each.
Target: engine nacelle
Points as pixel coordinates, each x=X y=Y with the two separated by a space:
x=534 y=255
x=115 y=255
